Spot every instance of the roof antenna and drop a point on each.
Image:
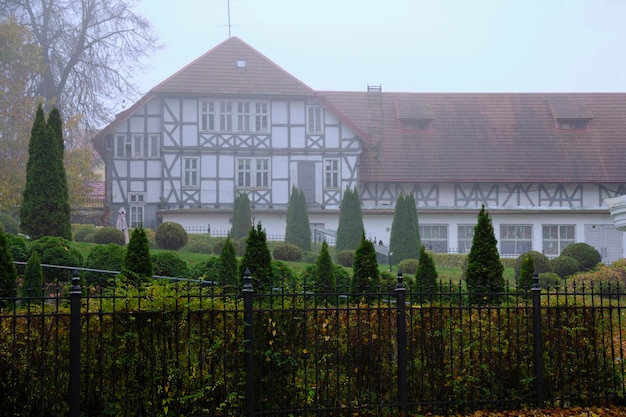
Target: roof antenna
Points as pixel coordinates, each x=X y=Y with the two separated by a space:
x=228 y=1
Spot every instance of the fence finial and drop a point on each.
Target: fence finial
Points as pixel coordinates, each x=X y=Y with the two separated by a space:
x=247 y=281
x=400 y=285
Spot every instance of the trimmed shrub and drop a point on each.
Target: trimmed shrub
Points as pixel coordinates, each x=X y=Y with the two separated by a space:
x=366 y=276
x=565 y=266
x=426 y=275
x=408 y=266
x=18 y=246
x=550 y=281
x=283 y=276
x=169 y=264
x=540 y=261
x=137 y=266
x=345 y=258
x=207 y=271
x=108 y=234
x=526 y=271
x=108 y=257
x=54 y=250
x=228 y=267
x=586 y=255
x=198 y=244
x=33 y=279
x=258 y=260
x=171 y=236
x=81 y=231
x=10 y=224
x=287 y=252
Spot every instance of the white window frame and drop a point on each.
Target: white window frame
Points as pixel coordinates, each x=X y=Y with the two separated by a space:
x=234 y=116
x=314 y=119
x=515 y=239
x=331 y=173
x=253 y=173
x=434 y=237
x=136 y=208
x=465 y=237
x=190 y=167
x=555 y=237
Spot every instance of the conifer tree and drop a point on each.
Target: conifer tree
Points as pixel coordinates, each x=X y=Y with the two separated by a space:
x=33 y=278
x=242 y=217
x=137 y=266
x=404 y=241
x=8 y=274
x=258 y=260
x=45 y=208
x=526 y=271
x=426 y=274
x=365 y=268
x=484 y=273
x=228 y=266
x=350 y=226
x=298 y=230
x=326 y=281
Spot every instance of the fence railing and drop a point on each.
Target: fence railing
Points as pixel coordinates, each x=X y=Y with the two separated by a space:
x=190 y=349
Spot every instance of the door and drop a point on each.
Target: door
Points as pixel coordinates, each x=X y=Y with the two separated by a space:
x=306 y=180
x=606 y=239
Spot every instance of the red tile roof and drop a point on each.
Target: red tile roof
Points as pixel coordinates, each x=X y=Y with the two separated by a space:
x=479 y=137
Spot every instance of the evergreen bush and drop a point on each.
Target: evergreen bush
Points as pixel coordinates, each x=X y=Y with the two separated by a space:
x=586 y=255
x=81 y=231
x=549 y=281
x=345 y=258
x=33 y=279
x=10 y=224
x=287 y=252
x=350 y=226
x=283 y=276
x=366 y=276
x=242 y=217
x=56 y=251
x=565 y=266
x=199 y=244
x=408 y=266
x=109 y=257
x=137 y=267
x=404 y=242
x=540 y=261
x=171 y=236
x=18 y=246
x=426 y=275
x=298 y=230
x=526 y=272
x=8 y=274
x=326 y=281
x=258 y=260
x=207 y=271
x=108 y=234
x=169 y=264
x=229 y=268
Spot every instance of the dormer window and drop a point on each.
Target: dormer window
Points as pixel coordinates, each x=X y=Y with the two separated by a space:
x=575 y=124
x=570 y=115
x=415 y=124
x=414 y=115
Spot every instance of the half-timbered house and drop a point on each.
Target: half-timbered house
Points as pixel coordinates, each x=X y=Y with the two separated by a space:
x=233 y=121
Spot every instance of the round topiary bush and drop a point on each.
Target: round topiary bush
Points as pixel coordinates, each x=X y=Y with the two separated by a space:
x=287 y=252
x=345 y=258
x=541 y=262
x=169 y=264
x=171 y=236
x=10 y=224
x=408 y=266
x=107 y=234
x=549 y=280
x=586 y=255
x=56 y=251
x=565 y=266
x=108 y=257
x=18 y=247
x=81 y=231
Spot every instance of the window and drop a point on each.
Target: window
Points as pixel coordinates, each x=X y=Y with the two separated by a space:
x=253 y=173
x=190 y=172
x=331 y=173
x=574 y=124
x=229 y=116
x=136 y=208
x=314 y=120
x=138 y=146
x=557 y=237
x=434 y=237
x=515 y=239
x=466 y=236
x=415 y=124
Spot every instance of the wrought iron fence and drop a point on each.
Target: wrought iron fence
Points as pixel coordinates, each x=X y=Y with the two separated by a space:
x=186 y=348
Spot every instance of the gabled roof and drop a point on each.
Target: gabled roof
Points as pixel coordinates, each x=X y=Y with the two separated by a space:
x=478 y=137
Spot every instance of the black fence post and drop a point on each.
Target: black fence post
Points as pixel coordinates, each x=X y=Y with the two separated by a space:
x=248 y=292
x=401 y=324
x=538 y=338
x=74 y=383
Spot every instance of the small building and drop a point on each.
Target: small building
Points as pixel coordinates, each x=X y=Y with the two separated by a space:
x=233 y=121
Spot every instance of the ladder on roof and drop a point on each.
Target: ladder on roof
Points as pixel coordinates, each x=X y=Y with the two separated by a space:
x=375 y=111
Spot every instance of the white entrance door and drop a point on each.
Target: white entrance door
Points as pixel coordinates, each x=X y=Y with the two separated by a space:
x=606 y=239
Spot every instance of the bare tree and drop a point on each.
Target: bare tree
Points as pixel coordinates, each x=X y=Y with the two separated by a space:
x=90 y=48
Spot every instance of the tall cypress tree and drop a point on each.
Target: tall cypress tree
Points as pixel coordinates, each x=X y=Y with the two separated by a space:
x=258 y=260
x=350 y=226
x=228 y=265
x=242 y=217
x=404 y=241
x=484 y=273
x=137 y=266
x=365 y=268
x=527 y=269
x=33 y=278
x=326 y=281
x=8 y=275
x=298 y=230
x=426 y=274
x=45 y=208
